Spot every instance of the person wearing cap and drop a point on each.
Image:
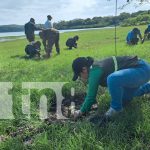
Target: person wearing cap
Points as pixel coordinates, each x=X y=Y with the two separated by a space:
x=124 y=76
x=72 y=42
x=147 y=33
x=30 y=28
x=132 y=37
x=48 y=24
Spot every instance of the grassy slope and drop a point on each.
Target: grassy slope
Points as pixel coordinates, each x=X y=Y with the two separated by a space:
x=131 y=130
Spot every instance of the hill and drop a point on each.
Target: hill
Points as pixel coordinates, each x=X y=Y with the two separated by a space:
x=124 y=19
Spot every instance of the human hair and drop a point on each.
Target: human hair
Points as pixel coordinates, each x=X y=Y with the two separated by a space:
x=76 y=37
x=90 y=61
x=49 y=17
x=135 y=30
x=37 y=45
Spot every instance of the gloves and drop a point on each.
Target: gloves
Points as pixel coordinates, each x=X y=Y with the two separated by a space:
x=77 y=114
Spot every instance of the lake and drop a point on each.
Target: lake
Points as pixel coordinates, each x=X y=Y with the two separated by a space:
x=8 y=34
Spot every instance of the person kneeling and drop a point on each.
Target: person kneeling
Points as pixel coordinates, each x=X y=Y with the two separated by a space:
x=71 y=42
x=33 y=50
x=132 y=37
x=147 y=33
x=125 y=77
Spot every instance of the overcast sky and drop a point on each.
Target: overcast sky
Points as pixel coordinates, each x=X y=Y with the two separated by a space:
x=20 y=11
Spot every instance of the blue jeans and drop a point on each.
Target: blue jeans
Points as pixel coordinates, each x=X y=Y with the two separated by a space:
x=125 y=84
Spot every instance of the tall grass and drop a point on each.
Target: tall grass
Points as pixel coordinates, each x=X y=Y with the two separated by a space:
x=131 y=130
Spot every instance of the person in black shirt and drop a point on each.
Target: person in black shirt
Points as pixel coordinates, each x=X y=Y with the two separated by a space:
x=33 y=50
x=29 y=30
x=71 y=42
x=147 y=33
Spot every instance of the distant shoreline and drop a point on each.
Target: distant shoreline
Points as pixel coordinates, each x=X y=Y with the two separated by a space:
x=12 y=36
x=21 y=33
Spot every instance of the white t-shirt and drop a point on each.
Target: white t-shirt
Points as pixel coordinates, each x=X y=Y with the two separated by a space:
x=48 y=24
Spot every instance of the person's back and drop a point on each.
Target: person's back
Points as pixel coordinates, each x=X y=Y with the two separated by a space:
x=129 y=37
x=147 y=33
x=33 y=49
x=132 y=37
x=49 y=38
x=71 y=42
x=29 y=28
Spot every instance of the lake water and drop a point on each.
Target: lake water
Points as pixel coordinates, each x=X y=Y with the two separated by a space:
x=6 y=34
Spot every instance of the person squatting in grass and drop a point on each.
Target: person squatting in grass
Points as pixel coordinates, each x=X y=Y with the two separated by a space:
x=30 y=28
x=125 y=77
x=49 y=38
x=147 y=33
x=33 y=49
x=132 y=37
x=72 y=42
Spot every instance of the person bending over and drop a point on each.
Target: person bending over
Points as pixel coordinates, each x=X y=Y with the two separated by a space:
x=72 y=42
x=33 y=49
x=125 y=77
x=49 y=38
x=132 y=37
x=147 y=33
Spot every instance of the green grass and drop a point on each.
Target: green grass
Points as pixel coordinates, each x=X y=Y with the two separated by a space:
x=130 y=131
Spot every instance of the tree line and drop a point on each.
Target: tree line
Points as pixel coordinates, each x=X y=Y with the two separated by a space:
x=124 y=19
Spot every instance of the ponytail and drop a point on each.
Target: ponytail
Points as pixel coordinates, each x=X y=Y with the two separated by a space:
x=90 y=61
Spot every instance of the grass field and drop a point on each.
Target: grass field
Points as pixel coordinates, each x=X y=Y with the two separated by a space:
x=129 y=131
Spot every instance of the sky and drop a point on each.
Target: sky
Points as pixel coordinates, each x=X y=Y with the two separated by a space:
x=20 y=11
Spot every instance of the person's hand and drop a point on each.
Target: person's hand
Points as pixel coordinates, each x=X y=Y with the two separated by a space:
x=77 y=114
x=142 y=41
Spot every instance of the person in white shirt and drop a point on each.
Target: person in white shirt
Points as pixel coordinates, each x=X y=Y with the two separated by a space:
x=48 y=24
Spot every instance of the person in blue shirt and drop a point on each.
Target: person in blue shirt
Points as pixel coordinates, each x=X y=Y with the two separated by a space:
x=132 y=37
x=48 y=24
x=147 y=33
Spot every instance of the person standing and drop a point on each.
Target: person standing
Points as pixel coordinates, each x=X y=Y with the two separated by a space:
x=30 y=27
x=49 y=38
x=48 y=24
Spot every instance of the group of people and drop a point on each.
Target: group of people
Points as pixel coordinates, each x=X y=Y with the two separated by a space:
x=125 y=77
x=49 y=37
x=134 y=35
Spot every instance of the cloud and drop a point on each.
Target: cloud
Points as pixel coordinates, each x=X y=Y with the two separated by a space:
x=20 y=11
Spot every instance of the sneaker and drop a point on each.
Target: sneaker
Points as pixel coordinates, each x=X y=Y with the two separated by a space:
x=111 y=112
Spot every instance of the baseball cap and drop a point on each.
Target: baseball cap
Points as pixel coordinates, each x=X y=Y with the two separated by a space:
x=77 y=66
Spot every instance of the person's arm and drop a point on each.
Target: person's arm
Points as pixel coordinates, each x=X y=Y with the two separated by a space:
x=94 y=80
x=37 y=28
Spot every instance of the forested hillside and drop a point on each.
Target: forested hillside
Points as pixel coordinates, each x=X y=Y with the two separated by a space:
x=124 y=19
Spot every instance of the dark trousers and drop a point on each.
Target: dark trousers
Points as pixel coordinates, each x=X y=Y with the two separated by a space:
x=134 y=41
x=30 y=37
x=51 y=41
